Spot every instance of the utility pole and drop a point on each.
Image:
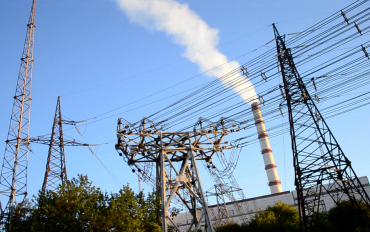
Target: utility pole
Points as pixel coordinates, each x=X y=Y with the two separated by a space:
x=13 y=180
x=319 y=163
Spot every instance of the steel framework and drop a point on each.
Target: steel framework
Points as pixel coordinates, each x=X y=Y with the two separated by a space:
x=224 y=175
x=175 y=155
x=56 y=170
x=13 y=180
x=319 y=163
x=220 y=190
x=223 y=214
x=241 y=207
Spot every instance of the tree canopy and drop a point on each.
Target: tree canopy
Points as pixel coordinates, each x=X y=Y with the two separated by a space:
x=79 y=206
x=285 y=218
x=346 y=217
x=280 y=217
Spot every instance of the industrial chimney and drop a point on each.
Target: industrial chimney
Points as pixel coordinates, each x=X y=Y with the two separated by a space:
x=268 y=158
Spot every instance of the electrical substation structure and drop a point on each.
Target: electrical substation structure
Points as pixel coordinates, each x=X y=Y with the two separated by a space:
x=319 y=163
x=13 y=179
x=175 y=155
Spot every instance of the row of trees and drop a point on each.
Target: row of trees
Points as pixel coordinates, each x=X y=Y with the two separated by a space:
x=285 y=218
x=79 y=206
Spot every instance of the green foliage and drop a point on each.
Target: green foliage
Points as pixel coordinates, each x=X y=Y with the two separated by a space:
x=230 y=227
x=79 y=206
x=285 y=218
x=280 y=217
x=346 y=217
x=321 y=223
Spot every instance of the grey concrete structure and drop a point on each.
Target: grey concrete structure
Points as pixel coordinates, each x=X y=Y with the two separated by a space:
x=257 y=204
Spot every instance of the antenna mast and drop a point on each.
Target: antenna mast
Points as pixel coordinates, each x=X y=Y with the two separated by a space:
x=13 y=180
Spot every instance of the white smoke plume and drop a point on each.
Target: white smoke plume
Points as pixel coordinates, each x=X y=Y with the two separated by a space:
x=187 y=29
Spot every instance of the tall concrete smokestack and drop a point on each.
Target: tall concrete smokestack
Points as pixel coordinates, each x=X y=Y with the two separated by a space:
x=268 y=158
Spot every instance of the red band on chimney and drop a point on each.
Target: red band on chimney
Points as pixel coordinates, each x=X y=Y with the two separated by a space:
x=275 y=182
x=267 y=150
x=264 y=135
x=255 y=106
x=269 y=166
x=258 y=122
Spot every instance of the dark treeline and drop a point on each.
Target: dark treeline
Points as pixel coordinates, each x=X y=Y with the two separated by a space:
x=285 y=218
x=79 y=206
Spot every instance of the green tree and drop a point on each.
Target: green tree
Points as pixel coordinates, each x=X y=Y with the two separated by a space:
x=280 y=217
x=230 y=227
x=79 y=206
x=349 y=218
x=321 y=223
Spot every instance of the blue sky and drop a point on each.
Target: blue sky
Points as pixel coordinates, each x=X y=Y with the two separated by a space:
x=91 y=54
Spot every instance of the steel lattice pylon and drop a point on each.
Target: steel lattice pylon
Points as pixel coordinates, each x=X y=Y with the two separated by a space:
x=223 y=214
x=13 y=180
x=221 y=176
x=175 y=155
x=56 y=170
x=320 y=164
x=241 y=207
x=220 y=190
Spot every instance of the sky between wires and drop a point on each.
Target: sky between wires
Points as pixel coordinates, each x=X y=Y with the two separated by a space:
x=99 y=59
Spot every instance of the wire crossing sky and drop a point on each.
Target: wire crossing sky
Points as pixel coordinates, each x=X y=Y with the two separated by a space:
x=110 y=59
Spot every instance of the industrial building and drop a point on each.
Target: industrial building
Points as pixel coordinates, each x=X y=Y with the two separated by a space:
x=256 y=204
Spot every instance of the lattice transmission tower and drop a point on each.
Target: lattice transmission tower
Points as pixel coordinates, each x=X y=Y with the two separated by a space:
x=175 y=156
x=219 y=191
x=13 y=179
x=319 y=163
x=56 y=170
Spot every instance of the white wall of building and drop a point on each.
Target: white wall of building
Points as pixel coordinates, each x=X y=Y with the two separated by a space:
x=251 y=206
